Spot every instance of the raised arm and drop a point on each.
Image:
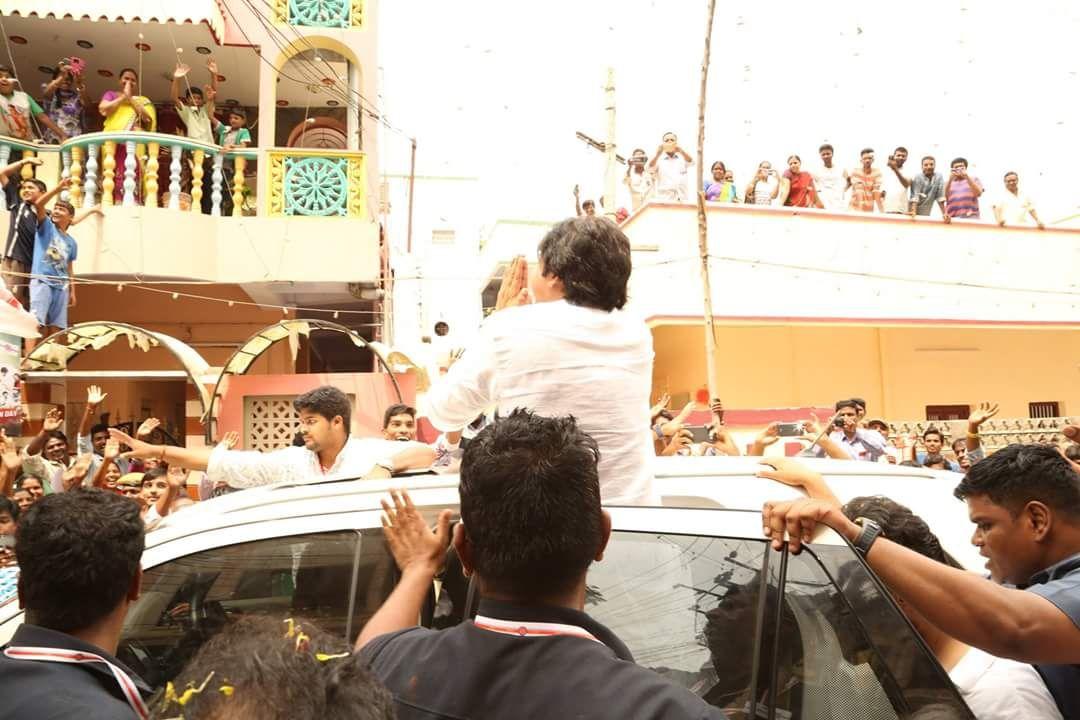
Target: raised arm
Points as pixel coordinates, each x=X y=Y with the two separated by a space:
x=46 y=198
x=94 y=398
x=112 y=451
x=419 y=553
x=984 y=412
x=1009 y=623
x=190 y=458
x=52 y=421
x=96 y=210
x=10 y=462
x=8 y=170
x=174 y=88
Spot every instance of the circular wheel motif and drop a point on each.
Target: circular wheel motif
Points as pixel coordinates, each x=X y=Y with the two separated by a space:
x=315 y=186
x=319 y=13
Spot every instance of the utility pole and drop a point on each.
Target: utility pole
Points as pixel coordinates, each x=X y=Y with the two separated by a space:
x=609 y=146
x=703 y=225
x=412 y=183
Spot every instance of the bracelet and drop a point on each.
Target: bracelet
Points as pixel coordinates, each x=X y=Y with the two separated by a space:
x=973 y=436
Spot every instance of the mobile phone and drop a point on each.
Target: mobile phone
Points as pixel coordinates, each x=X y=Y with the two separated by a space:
x=794 y=429
x=838 y=422
x=698 y=433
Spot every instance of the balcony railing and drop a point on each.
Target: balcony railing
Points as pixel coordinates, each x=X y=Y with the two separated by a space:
x=148 y=169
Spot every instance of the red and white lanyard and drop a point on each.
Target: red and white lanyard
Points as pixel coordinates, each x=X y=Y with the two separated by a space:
x=532 y=629
x=42 y=654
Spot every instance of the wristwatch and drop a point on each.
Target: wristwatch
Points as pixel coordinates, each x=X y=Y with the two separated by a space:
x=870 y=532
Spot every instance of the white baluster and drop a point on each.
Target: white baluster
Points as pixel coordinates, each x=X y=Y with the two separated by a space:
x=174 y=176
x=129 y=173
x=65 y=172
x=215 y=191
x=90 y=183
x=5 y=153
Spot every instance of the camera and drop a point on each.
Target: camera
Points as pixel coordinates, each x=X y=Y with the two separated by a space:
x=838 y=422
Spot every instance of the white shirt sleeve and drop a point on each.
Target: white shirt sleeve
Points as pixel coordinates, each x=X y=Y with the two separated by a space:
x=250 y=468
x=468 y=388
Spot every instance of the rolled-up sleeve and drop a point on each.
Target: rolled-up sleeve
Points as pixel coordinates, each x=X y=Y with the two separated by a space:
x=467 y=390
x=251 y=468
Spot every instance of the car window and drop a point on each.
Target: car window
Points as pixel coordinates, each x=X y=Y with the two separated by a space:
x=686 y=606
x=843 y=650
x=336 y=580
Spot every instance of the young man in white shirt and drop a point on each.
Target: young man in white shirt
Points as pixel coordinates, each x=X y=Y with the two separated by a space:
x=327 y=452
x=831 y=181
x=560 y=343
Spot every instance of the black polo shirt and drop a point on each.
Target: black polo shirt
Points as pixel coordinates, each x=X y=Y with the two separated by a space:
x=35 y=690
x=23 y=226
x=1060 y=584
x=468 y=673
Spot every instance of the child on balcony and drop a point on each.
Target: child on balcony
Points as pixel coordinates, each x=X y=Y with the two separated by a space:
x=230 y=137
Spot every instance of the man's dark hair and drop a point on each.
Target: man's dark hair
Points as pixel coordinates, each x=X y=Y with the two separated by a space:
x=56 y=435
x=1015 y=475
x=1011 y=172
x=238 y=112
x=878 y=424
x=66 y=205
x=78 y=552
x=859 y=401
x=327 y=401
x=934 y=431
x=530 y=502
x=9 y=506
x=932 y=460
x=849 y=403
x=866 y=151
x=902 y=149
x=99 y=428
x=397 y=409
x=824 y=147
x=591 y=256
x=35 y=182
x=274 y=675
x=133 y=71
x=900 y=525
x=154 y=474
x=8 y=70
x=958 y=441
x=928 y=157
x=960 y=161
x=194 y=91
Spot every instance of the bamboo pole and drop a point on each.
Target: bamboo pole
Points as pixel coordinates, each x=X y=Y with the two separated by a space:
x=703 y=227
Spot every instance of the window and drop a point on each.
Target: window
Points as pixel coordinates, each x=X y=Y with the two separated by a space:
x=947 y=412
x=829 y=642
x=187 y=601
x=1046 y=409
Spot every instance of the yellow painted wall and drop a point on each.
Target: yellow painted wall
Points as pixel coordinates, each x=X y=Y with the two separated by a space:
x=801 y=366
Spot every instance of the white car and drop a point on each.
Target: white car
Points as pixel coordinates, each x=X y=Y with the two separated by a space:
x=691 y=586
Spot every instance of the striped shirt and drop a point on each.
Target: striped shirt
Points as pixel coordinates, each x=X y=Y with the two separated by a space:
x=960 y=200
x=865 y=189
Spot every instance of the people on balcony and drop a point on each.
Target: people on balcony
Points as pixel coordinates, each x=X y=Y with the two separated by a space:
x=126 y=111
x=20 y=195
x=639 y=179
x=830 y=180
x=230 y=137
x=20 y=115
x=962 y=192
x=66 y=100
x=797 y=187
x=866 y=183
x=196 y=111
x=720 y=189
x=1014 y=207
x=670 y=164
x=765 y=186
x=895 y=185
x=926 y=190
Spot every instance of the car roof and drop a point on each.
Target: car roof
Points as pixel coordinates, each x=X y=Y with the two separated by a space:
x=693 y=482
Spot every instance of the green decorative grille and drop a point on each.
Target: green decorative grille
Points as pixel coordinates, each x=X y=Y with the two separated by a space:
x=319 y=13
x=316 y=186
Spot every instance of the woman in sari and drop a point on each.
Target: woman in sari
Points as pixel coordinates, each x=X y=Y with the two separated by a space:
x=124 y=111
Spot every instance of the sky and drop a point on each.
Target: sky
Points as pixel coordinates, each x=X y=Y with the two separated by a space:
x=496 y=89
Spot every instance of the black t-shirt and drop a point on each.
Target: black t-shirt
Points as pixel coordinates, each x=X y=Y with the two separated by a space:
x=23 y=227
x=467 y=673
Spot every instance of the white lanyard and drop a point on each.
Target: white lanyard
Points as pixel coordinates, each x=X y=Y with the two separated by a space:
x=532 y=629
x=127 y=686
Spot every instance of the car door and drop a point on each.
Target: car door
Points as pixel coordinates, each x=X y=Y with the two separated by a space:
x=700 y=597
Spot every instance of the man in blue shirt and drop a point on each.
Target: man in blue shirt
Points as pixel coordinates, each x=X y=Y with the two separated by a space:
x=1024 y=501
x=55 y=250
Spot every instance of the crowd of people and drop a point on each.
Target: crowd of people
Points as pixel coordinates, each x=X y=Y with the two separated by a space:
x=864 y=188
x=567 y=371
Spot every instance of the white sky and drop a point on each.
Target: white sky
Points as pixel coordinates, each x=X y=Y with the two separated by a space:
x=496 y=88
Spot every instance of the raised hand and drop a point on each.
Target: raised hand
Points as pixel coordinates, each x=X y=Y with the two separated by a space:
x=514 y=289
x=795 y=522
x=148 y=426
x=211 y=65
x=717 y=409
x=411 y=541
x=35 y=161
x=792 y=472
x=53 y=420
x=112 y=450
x=74 y=475
x=680 y=440
x=769 y=435
x=660 y=405
x=231 y=439
x=139 y=449
x=181 y=70
x=94 y=396
x=8 y=453
x=981 y=414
